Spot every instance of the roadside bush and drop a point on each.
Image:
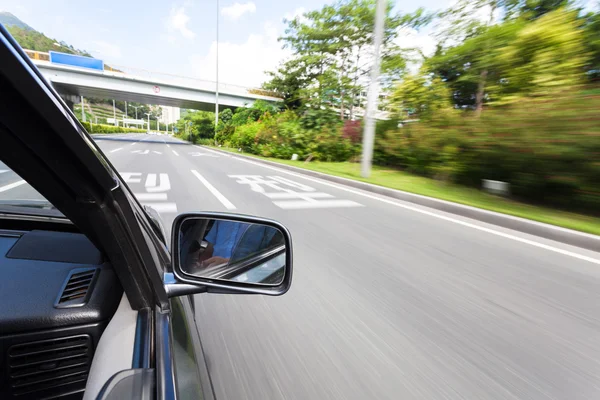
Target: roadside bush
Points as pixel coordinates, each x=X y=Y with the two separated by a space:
x=98 y=128
x=548 y=150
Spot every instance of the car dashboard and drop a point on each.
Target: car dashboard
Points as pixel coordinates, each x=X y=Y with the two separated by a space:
x=57 y=294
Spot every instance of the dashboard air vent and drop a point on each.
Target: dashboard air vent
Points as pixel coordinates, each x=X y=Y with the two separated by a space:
x=50 y=368
x=77 y=288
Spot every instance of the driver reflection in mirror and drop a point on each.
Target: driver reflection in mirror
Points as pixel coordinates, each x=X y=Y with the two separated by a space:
x=225 y=242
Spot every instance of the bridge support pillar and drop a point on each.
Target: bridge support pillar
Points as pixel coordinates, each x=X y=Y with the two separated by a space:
x=70 y=99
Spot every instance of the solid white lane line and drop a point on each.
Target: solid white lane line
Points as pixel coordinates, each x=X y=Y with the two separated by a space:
x=301 y=204
x=115 y=150
x=174 y=152
x=430 y=213
x=12 y=186
x=214 y=191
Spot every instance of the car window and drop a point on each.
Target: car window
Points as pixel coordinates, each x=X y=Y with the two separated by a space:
x=17 y=195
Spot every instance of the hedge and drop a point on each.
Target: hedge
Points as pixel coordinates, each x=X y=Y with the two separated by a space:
x=98 y=128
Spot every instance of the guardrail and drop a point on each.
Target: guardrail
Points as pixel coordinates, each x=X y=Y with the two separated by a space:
x=169 y=78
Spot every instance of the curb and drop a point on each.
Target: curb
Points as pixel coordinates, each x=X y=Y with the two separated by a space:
x=563 y=235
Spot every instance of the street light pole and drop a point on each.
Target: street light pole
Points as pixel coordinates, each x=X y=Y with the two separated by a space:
x=217 y=84
x=148 y=114
x=373 y=95
x=126 y=109
x=136 y=110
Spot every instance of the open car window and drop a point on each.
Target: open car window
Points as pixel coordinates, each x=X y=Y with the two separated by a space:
x=18 y=197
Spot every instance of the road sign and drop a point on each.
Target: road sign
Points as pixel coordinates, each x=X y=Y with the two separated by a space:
x=156 y=89
x=75 y=60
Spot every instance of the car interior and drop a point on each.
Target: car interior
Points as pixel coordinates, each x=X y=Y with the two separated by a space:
x=58 y=297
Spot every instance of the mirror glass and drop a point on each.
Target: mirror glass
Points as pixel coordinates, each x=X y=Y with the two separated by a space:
x=232 y=251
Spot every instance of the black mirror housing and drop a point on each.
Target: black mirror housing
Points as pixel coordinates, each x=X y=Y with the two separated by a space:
x=245 y=271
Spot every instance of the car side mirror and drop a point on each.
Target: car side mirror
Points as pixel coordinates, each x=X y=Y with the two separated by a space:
x=229 y=253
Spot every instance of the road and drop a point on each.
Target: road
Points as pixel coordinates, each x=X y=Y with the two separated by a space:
x=390 y=300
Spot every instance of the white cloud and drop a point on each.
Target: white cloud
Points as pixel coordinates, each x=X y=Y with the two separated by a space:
x=242 y=64
x=106 y=49
x=236 y=10
x=178 y=21
x=296 y=13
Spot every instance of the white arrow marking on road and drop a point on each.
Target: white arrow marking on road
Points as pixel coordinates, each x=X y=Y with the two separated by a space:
x=214 y=191
x=141 y=151
x=164 y=185
x=174 y=152
x=157 y=152
x=115 y=150
x=11 y=186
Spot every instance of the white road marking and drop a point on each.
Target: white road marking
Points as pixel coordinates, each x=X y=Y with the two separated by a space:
x=115 y=150
x=157 y=152
x=163 y=186
x=163 y=207
x=174 y=152
x=302 y=196
x=3 y=171
x=301 y=204
x=12 y=186
x=431 y=214
x=131 y=177
x=229 y=205
x=151 y=196
x=140 y=151
x=133 y=143
x=196 y=154
x=168 y=145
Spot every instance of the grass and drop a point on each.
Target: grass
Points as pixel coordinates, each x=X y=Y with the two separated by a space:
x=445 y=191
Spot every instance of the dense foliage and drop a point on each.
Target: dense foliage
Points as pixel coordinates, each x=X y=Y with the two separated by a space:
x=33 y=40
x=100 y=128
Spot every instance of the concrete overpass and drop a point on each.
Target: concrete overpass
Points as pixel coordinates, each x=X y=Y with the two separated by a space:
x=147 y=87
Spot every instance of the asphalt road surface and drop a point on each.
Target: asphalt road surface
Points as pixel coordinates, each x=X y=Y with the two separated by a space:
x=389 y=301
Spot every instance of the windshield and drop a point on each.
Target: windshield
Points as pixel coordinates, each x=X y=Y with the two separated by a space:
x=18 y=197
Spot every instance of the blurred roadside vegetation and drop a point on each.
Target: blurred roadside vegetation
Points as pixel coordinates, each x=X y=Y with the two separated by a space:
x=511 y=93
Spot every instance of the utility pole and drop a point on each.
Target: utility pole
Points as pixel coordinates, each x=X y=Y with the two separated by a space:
x=217 y=84
x=82 y=110
x=373 y=94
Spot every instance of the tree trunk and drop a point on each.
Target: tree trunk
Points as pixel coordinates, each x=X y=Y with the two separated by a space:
x=480 y=92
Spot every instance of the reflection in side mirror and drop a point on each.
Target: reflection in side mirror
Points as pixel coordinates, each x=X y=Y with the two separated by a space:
x=232 y=251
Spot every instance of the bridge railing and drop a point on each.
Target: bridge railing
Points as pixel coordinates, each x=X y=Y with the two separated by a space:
x=139 y=73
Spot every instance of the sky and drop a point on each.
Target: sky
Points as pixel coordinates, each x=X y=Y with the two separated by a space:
x=179 y=37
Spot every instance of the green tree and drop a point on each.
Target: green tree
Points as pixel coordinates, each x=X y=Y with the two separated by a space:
x=422 y=95
x=547 y=54
x=329 y=46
